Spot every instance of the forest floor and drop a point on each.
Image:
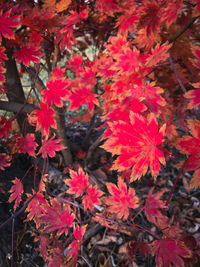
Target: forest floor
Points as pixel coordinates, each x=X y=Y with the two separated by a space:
x=103 y=246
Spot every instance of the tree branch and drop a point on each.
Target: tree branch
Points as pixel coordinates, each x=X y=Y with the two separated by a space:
x=185 y=28
x=15 y=107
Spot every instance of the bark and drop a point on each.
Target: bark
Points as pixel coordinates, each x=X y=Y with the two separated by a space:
x=14 y=88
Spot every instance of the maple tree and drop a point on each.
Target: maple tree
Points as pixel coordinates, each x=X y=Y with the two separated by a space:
x=131 y=71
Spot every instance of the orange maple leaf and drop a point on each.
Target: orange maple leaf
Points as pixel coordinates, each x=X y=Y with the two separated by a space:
x=62 y=5
x=121 y=199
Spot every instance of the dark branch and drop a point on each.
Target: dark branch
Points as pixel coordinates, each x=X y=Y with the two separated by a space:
x=184 y=29
x=15 y=107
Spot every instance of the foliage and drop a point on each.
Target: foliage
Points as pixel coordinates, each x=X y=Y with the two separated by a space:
x=142 y=82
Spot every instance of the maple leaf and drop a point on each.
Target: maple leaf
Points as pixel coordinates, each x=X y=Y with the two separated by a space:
x=121 y=199
x=73 y=19
x=151 y=94
x=136 y=142
x=62 y=5
x=73 y=249
x=75 y=245
x=49 y=3
x=195 y=181
x=4 y=161
x=81 y=96
x=5 y=126
x=171 y=12
x=36 y=207
x=190 y=145
x=57 y=89
x=7 y=23
x=79 y=232
x=35 y=38
x=127 y=22
x=194 y=96
x=43 y=118
x=91 y=198
x=50 y=146
x=128 y=62
x=78 y=182
x=27 y=144
x=57 y=218
x=2 y=54
x=26 y=55
x=158 y=54
x=170 y=251
x=16 y=192
x=153 y=205
x=75 y=63
x=133 y=246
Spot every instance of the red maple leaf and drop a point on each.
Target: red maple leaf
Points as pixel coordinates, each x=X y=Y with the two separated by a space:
x=128 y=62
x=16 y=191
x=27 y=144
x=43 y=119
x=158 y=54
x=7 y=23
x=190 y=145
x=57 y=217
x=4 y=161
x=151 y=94
x=121 y=199
x=170 y=251
x=75 y=63
x=136 y=142
x=50 y=146
x=80 y=96
x=36 y=207
x=5 y=126
x=91 y=198
x=2 y=54
x=194 y=96
x=78 y=182
x=57 y=89
x=26 y=55
x=75 y=245
x=153 y=206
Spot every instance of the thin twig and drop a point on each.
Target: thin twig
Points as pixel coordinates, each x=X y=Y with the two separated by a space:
x=185 y=28
x=177 y=75
x=175 y=183
x=12 y=242
x=18 y=212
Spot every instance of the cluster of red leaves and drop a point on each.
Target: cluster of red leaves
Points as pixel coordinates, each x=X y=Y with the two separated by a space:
x=125 y=84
